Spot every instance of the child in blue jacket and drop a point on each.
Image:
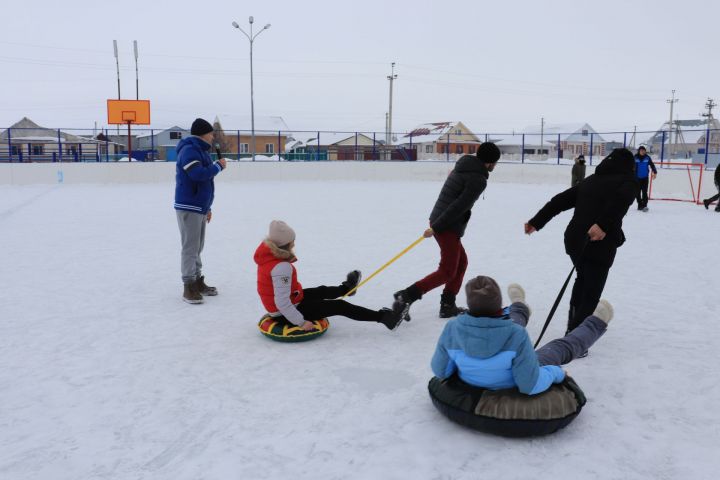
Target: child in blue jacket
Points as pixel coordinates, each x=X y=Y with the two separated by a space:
x=492 y=350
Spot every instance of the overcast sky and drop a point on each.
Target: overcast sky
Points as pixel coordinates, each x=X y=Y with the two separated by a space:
x=497 y=66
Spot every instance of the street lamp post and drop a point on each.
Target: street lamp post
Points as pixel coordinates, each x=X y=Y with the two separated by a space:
x=251 y=38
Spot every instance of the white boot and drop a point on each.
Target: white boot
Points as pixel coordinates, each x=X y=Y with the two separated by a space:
x=517 y=294
x=604 y=311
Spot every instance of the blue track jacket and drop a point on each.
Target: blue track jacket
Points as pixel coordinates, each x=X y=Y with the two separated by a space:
x=643 y=166
x=493 y=353
x=194 y=174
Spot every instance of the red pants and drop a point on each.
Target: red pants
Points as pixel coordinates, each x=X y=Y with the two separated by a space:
x=453 y=263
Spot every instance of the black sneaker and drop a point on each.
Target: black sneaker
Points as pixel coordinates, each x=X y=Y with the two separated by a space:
x=583 y=354
x=405 y=298
x=352 y=281
x=392 y=318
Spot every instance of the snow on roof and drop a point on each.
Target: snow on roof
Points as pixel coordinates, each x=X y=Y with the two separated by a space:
x=432 y=132
x=569 y=132
x=27 y=129
x=692 y=130
x=155 y=133
x=262 y=124
x=330 y=138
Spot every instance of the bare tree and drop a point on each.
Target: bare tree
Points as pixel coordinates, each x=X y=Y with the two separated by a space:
x=219 y=139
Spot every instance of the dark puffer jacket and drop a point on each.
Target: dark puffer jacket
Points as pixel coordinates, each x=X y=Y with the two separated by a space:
x=462 y=188
x=602 y=199
x=717 y=176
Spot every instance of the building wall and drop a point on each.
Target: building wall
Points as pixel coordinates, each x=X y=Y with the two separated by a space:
x=278 y=143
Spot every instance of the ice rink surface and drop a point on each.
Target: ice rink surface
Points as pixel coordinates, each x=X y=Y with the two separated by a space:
x=106 y=374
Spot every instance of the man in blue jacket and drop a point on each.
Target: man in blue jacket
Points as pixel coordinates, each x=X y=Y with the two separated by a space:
x=489 y=349
x=643 y=165
x=194 y=193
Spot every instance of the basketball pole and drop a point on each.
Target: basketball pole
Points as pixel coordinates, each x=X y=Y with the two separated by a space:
x=129 y=142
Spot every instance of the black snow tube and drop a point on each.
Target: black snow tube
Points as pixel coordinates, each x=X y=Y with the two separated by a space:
x=508 y=412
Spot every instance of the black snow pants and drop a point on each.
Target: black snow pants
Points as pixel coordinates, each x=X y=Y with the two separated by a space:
x=319 y=302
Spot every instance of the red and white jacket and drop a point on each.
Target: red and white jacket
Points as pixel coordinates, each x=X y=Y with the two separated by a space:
x=277 y=282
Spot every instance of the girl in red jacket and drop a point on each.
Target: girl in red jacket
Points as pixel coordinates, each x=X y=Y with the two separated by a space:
x=282 y=295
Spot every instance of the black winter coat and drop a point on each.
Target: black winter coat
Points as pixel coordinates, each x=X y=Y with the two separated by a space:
x=602 y=199
x=462 y=188
x=717 y=176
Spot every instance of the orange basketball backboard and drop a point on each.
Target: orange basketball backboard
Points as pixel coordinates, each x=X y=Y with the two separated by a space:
x=122 y=112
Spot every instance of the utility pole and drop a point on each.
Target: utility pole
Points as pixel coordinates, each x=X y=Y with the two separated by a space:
x=392 y=77
x=710 y=104
x=117 y=64
x=670 y=124
x=137 y=81
x=542 y=132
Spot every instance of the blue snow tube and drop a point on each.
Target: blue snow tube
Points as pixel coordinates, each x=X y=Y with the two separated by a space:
x=508 y=412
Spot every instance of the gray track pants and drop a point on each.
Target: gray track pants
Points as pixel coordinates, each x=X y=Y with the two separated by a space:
x=192 y=239
x=563 y=350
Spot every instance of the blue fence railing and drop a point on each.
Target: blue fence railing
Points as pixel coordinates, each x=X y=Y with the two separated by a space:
x=20 y=144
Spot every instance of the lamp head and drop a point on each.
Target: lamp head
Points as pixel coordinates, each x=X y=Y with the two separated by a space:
x=235 y=24
x=251 y=19
x=266 y=26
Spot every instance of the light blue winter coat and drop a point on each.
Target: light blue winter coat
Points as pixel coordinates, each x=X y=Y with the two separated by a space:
x=494 y=353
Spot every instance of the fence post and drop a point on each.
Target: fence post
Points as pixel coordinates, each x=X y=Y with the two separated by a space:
x=707 y=144
x=591 y=148
x=10 y=154
x=29 y=152
x=317 y=151
x=624 y=139
x=662 y=148
x=373 y=156
x=522 y=151
x=356 y=148
x=416 y=156
x=59 y=145
x=447 y=148
x=279 y=149
x=107 y=147
x=558 y=149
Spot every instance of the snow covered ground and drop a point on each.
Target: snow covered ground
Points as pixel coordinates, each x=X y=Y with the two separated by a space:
x=106 y=374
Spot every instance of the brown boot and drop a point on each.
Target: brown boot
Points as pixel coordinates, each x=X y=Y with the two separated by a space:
x=205 y=289
x=191 y=295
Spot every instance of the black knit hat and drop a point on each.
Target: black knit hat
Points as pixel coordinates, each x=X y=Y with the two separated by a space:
x=488 y=152
x=200 y=127
x=620 y=160
x=483 y=297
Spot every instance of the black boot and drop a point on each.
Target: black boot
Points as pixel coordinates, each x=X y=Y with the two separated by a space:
x=392 y=318
x=448 y=309
x=707 y=204
x=405 y=298
x=352 y=281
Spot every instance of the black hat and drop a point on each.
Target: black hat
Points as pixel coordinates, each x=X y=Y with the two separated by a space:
x=200 y=127
x=620 y=160
x=642 y=147
x=488 y=152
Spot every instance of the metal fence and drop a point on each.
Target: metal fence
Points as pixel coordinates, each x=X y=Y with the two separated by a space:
x=19 y=144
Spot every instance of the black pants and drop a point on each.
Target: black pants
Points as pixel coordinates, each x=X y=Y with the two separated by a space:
x=715 y=197
x=642 y=195
x=589 y=285
x=319 y=303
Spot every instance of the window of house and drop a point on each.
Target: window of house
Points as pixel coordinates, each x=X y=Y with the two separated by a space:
x=458 y=149
x=428 y=148
x=585 y=133
x=15 y=150
x=38 y=149
x=175 y=135
x=269 y=148
x=244 y=148
x=458 y=132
